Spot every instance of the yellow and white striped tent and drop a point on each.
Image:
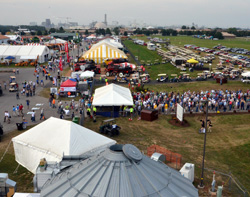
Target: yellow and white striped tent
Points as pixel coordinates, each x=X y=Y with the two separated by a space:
x=99 y=53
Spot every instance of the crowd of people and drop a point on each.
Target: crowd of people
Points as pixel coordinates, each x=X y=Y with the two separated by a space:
x=218 y=101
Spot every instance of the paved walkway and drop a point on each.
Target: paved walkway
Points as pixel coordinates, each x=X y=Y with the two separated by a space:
x=8 y=100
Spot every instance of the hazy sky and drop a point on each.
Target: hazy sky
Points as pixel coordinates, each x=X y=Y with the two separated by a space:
x=211 y=13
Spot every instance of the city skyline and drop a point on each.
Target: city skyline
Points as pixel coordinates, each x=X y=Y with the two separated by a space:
x=225 y=13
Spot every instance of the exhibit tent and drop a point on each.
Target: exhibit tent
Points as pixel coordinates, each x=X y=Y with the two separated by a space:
x=54 y=138
x=87 y=74
x=112 y=95
x=192 y=61
x=68 y=86
x=99 y=53
x=25 y=52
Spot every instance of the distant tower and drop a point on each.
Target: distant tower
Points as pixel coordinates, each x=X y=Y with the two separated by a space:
x=105 y=20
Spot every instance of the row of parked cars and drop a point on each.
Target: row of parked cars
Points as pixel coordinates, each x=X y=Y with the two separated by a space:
x=233 y=50
x=223 y=51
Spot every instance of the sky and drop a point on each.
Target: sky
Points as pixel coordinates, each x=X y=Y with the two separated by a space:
x=209 y=13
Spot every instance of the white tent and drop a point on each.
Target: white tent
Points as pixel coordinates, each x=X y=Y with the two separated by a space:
x=54 y=138
x=112 y=95
x=246 y=74
x=25 y=52
x=56 y=41
x=111 y=42
x=87 y=74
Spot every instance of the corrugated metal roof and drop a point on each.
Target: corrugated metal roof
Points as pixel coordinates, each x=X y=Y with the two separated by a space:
x=124 y=172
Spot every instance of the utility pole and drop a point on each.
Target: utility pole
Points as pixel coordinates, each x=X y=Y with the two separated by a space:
x=204 y=148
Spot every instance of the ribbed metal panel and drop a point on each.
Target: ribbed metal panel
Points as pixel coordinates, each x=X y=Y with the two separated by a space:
x=113 y=174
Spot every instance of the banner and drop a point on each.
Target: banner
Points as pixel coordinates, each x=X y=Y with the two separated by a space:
x=60 y=64
x=67 y=51
x=67 y=89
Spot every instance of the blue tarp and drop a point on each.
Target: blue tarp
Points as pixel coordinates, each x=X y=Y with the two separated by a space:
x=10 y=58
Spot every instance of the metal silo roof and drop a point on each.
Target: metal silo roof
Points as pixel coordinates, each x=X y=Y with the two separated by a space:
x=121 y=171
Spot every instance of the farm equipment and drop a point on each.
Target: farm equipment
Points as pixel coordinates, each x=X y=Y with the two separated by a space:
x=109 y=127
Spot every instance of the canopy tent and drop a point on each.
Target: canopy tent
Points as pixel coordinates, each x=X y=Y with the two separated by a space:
x=68 y=86
x=87 y=74
x=192 y=61
x=92 y=36
x=111 y=42
x=54 y=138
x=112 y=95
x=68 y=83
x=56 y=41
x=103 y=51
x=10 y=58
x=246 y=74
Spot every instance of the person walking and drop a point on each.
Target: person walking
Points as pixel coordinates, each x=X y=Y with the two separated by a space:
x=54 y=103
x=131 y=113
x=42 y=114
x=17 y=95
x=14 y=111
x=28 y=103
x=33 y=116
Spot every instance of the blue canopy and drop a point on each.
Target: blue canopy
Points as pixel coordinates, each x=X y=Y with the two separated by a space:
x=10 y=58
x=73 y=80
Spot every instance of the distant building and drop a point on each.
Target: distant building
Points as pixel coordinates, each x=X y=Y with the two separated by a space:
x=228 y=35
x=65 y=36
x=4 y=39
x=100 y=26
x=33 y=23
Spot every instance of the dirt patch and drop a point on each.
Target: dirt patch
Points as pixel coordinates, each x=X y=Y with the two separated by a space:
x=177 y=123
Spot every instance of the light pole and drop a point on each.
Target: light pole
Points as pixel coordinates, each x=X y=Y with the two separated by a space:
x=204 y=147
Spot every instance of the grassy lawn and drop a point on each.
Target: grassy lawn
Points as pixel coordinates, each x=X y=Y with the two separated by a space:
x=8 y=165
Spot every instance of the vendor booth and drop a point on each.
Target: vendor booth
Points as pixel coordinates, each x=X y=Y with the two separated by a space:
x=108 y=99
x=68 y=88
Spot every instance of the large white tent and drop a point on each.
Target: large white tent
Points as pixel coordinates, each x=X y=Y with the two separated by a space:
x=112 y=95
x=54 y=138
x=25 y=52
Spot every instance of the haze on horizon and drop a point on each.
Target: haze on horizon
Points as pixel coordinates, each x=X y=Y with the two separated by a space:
x=210 y=13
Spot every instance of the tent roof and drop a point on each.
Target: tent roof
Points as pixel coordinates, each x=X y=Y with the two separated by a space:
x=56 y=137
x=103 y=51
x=56 y=41
x=24 y=50
x=87 y=74
x=68 y=83
x=112 y=95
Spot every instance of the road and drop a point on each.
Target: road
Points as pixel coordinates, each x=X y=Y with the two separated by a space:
x=8 y=99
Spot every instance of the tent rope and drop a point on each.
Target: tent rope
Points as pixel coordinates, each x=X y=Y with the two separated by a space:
x=15 y=171
x=6 y=150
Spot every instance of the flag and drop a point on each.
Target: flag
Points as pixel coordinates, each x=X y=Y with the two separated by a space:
x=67 y=51
x=60 y=64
